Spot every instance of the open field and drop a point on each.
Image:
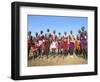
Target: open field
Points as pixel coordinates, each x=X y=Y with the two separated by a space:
x=56 y=60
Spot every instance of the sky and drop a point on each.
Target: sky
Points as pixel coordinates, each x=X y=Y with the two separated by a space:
x=61 y=24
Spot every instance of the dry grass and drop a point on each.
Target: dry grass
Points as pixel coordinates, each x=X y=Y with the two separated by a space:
x=57 y=60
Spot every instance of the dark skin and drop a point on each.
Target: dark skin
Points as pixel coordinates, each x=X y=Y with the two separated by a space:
x=78 y=51
x=36 y=34
x=59 y=50
x=59 y=33
x=71 y=32
x=54 y=31
x=71 y=50
x=65 y=33
x=85 y=33
x=48 y=30
x=41 y=32
x=82 y=28
x=29 y=33
x=84 y=51
x=79 y=31
x=47 y=45
x=65 y=51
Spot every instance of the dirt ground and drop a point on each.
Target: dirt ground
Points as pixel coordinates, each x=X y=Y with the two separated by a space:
x=57 y=60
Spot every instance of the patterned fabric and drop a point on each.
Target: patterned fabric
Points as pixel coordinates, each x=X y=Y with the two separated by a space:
x=72 y=41
x=65 y=43
x=53 y=44
x=46 y=44
x=83 y=40
x=78 y=44
x=59 y=42
x=71 y=45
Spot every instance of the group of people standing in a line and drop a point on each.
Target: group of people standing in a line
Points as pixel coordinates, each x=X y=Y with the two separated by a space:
x=51 y=44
